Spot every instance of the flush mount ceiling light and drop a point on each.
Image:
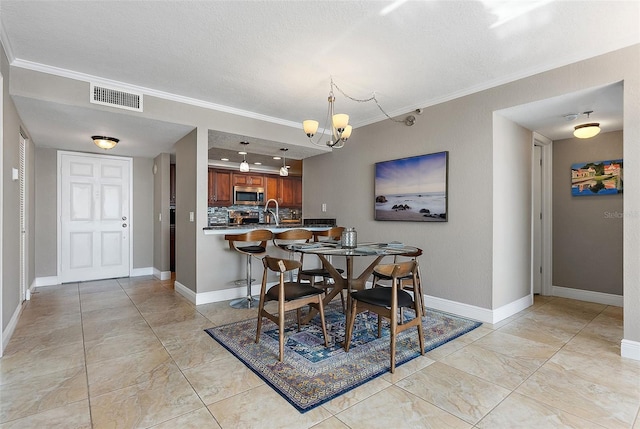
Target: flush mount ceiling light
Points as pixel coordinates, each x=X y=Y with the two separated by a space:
x=244 y=165
x=340 y=128
x=586 y=131
x=283 y=170
x=104 y=142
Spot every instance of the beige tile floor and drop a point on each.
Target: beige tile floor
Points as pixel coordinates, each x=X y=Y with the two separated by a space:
x=132 y=353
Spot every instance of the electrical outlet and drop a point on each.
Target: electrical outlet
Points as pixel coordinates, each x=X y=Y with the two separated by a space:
x=190 y=216
x=324 y=207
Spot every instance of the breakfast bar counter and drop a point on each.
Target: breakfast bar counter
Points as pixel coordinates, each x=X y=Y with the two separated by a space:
x=219 y=268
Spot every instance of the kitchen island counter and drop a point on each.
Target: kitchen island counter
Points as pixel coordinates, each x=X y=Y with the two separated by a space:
x=220 y=271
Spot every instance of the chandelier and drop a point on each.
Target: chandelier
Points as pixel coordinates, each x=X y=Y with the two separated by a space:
x=340 y=128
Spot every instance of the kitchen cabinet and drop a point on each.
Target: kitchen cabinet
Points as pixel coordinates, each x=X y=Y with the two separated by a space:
x=172 y=184
x=241 y=179
x=287 y=191
x=220 y=194
x=272 y=188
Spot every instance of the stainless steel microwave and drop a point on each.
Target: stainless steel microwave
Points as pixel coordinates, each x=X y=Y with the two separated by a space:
x=248 y=196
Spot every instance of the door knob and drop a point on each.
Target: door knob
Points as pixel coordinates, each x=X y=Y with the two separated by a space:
x=124 y=218
x=124 y=225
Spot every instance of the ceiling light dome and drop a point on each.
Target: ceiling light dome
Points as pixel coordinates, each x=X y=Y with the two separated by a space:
x=586 y=131
x=104 y=142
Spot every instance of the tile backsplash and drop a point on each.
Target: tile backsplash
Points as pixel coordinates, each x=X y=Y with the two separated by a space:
x=220 y=215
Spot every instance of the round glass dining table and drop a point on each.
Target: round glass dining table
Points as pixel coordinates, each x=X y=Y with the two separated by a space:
x=325 y=250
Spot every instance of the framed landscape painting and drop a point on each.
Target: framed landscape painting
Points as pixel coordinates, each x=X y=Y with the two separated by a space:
x=596 y=178
x=412 y=189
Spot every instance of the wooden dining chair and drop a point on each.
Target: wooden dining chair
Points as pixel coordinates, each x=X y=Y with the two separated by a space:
x=385 y=302
x=290 y=296
x=407 y=283
x=310 y=274
x=284 y=239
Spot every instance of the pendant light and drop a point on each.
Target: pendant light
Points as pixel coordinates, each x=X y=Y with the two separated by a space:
x=284 y=171
x=586 y=131
x=244 y=165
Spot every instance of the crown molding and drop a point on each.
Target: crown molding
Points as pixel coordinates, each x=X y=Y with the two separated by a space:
x=70 y=74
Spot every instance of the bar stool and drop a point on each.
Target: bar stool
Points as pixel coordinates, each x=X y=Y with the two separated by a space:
x=252 y=243
x=291 y=236
x=310 y=274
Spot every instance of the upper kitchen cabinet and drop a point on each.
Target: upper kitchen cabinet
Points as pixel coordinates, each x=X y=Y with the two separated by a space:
x=219 y=188
x=292 y=191
x=240 y=179
x=287 y=191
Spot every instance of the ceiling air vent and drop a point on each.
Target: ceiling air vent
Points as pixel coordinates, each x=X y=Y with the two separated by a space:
x=116 y=98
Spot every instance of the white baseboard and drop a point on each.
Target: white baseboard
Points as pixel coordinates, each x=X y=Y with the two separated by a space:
x=588 y=295
x=185 y=291
x=53 y=280
x=630 y=349
x=46 y=281
x=478 y=313
x=11 y=327
x=215 y=295
x=30 y=290
x=161 y=275
x=512 y=308
x=139 y=272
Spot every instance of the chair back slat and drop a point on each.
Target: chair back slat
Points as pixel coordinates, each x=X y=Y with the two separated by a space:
x=334 y=233
x=399 y=269
x=280 y=265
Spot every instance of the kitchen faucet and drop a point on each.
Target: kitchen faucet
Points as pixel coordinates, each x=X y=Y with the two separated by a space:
x=275 y=215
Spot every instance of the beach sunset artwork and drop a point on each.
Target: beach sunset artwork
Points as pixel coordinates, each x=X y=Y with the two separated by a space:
x=412 y=189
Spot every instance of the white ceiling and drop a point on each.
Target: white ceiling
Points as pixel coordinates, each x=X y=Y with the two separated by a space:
x=274 y=59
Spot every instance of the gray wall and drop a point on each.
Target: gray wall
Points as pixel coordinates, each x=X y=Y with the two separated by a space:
x=186 y=200
x=46 y=228
x=587 y=231
x=142 y=212
x=10 y=205
x=161 y=257
x=512 y=152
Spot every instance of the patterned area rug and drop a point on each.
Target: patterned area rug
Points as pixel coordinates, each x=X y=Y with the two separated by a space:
x=312 y=374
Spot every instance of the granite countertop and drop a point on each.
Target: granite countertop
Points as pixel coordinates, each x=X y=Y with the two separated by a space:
x=254 y=226
x=216 y=229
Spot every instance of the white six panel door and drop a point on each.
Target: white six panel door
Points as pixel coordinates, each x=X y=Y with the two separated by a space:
x=94 y=217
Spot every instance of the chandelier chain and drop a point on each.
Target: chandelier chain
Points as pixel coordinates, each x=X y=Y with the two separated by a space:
x=364 y=100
